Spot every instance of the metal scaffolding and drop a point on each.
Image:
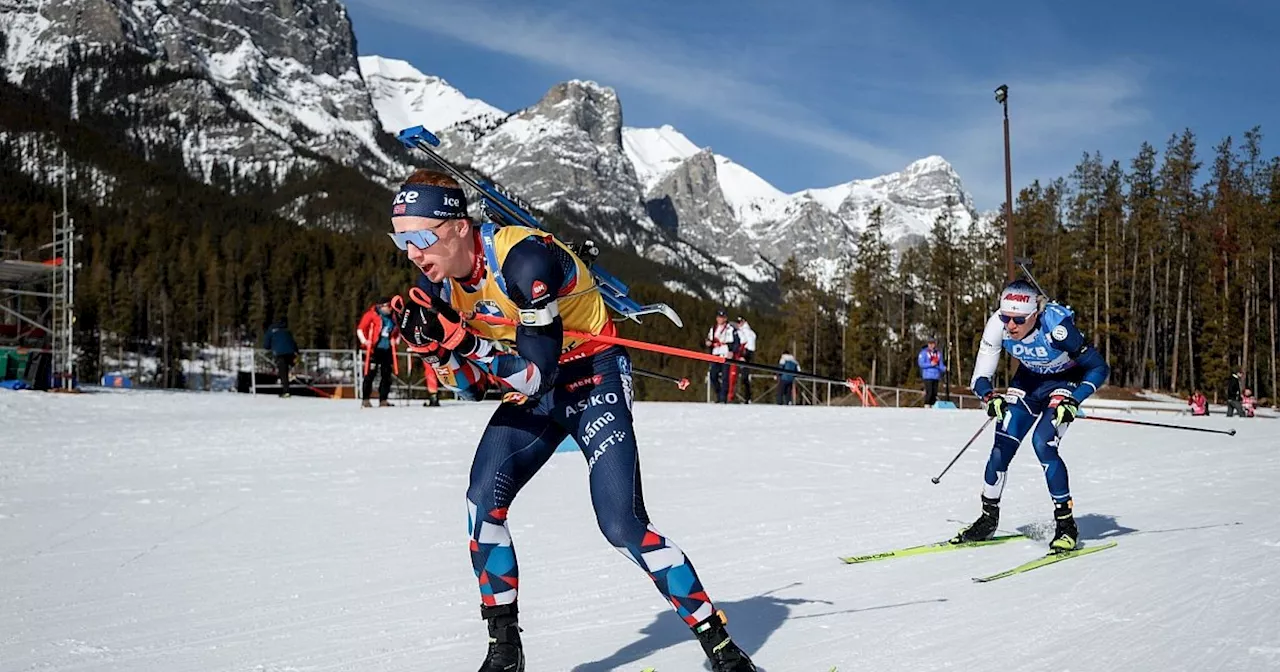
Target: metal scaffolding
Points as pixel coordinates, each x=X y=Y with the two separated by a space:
x=63 y=294
x=37 y=298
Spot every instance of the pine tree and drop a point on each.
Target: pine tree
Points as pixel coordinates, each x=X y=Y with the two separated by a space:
x=1180 y=210
x=870 y=299
x=944 y=280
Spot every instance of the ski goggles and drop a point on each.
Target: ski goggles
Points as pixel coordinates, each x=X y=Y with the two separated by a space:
x=421 y=239
x=1018 y=320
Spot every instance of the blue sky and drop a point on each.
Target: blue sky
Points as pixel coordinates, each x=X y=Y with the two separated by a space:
x=811 y=93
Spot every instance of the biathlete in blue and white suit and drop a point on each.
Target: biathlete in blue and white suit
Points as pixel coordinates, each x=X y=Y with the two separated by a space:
x=1058 y=371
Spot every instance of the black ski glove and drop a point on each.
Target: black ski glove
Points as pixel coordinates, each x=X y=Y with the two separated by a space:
x=996 y=405
x=1065 y=411
x=433 y=326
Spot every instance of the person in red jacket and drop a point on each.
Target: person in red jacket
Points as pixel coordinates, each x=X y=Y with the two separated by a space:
x=379 y=335
x=1199 y=405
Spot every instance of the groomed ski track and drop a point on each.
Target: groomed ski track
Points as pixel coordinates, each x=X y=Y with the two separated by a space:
x=204 y=532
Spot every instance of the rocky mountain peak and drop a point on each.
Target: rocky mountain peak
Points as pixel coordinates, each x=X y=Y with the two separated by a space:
x=926 y=183
x=584 y=105
x=242 y=88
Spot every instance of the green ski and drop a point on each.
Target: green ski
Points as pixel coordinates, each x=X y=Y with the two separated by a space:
x=1048 y=559
x=650 y=669
x=930 y=548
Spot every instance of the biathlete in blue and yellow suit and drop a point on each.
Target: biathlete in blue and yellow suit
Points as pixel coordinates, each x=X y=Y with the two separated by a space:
x=1058 y=369
x=479 y=281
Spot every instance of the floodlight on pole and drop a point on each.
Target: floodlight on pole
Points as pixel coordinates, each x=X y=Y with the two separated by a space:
x=1002 y=97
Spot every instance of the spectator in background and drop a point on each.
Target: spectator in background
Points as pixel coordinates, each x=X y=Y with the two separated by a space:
x=746 y=353
x=787 y=382
x=282 y=346
x=379 y=337
x=722 y=340
x=1234 y=384
x=1198 y=403
x=1247 y=402
x=931 y=370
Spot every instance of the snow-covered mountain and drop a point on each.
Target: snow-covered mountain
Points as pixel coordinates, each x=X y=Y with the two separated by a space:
x=570 y=149
x=565 y=152
x=404 y=97
x=272 y=98
x=240 y=88
x=566 y=148
x=730 y=211
x=245 y=94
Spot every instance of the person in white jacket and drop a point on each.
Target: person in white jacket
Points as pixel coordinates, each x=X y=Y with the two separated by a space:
x=746 y=352
x=722 y=339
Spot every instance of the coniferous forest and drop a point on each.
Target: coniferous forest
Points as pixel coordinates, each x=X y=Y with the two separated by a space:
x=1167 y=257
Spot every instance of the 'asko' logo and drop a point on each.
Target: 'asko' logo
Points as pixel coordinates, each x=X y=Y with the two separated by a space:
x=593 y=400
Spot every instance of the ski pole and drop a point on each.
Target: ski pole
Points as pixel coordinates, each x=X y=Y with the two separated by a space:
x=1228 y=432
x=937 y=479
x=674 y=351
x=682 y=383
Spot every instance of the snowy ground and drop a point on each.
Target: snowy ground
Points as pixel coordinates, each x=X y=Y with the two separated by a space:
x=202 y=532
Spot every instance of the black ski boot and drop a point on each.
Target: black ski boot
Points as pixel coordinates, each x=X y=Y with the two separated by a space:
x=505 y=652
x=984 y=527
x=1066 y=535
x=725 y=656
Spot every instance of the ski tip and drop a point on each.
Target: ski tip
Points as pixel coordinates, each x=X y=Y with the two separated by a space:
x=412 y=135
x=670 y=314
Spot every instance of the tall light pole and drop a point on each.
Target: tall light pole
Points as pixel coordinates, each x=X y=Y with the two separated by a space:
x=1002 y=97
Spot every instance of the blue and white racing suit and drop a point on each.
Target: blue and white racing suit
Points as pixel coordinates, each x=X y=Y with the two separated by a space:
x=1055 y=362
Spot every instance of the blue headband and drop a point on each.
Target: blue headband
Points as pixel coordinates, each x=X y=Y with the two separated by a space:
x=428 y=200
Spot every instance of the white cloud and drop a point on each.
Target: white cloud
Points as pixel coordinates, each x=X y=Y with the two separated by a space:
x=895 y=94
x=651 y=62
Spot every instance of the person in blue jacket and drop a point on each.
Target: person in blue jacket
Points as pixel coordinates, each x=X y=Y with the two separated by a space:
x=1058 y=369
x=280 y=342
x=787 y=381
x=931 y=369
